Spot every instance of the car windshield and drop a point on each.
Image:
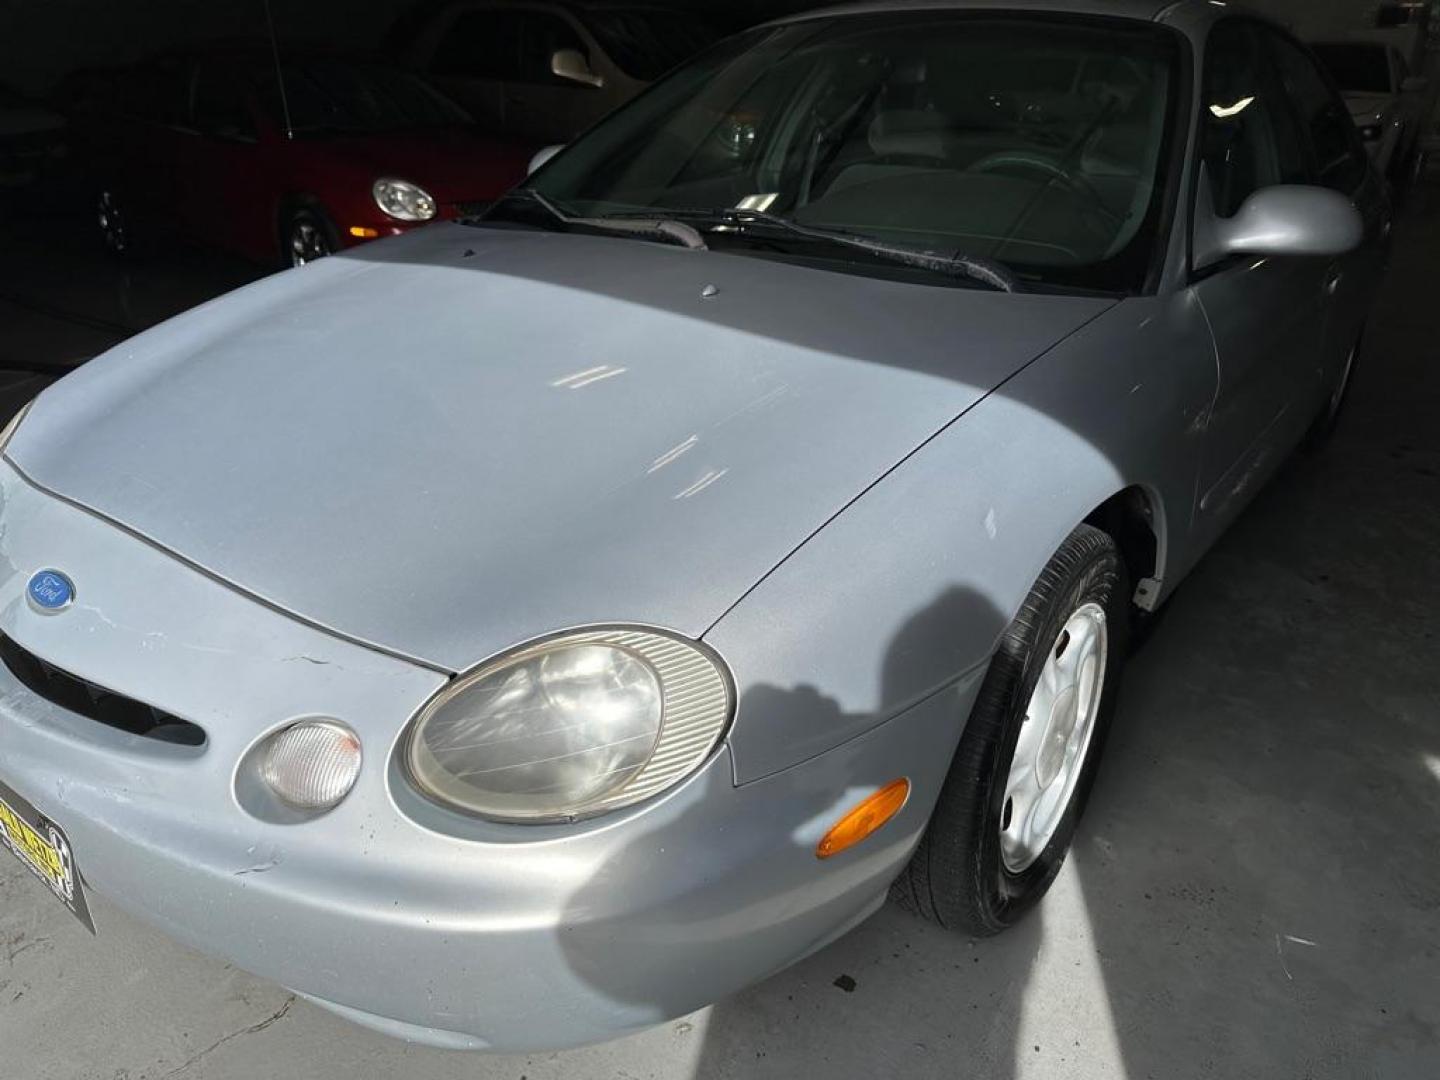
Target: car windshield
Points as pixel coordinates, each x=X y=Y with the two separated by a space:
x=1039 y=142
x=326 y=96
x=1356 y=67
x=646 y=43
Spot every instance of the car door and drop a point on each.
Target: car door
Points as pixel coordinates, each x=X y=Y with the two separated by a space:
x=1339 y=162
x=1264 y=313
x=228 y=200
x=474 y=57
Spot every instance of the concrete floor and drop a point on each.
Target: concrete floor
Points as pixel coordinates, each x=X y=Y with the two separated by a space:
x=1254 y=893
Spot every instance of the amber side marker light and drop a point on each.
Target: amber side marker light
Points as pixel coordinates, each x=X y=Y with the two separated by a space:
x=364 y=232
x=864 y=818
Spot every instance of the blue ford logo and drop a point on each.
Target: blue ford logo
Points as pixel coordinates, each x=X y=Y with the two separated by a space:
x=50 y=591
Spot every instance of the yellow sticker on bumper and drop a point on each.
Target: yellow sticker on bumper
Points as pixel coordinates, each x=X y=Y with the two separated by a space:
x=43 y=847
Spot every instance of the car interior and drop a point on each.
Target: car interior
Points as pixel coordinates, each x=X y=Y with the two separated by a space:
x=1050 y=157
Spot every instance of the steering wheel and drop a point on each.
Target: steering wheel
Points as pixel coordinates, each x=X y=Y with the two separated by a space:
x=1021 y=160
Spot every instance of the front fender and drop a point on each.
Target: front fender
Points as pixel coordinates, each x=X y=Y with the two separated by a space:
x=908 y=590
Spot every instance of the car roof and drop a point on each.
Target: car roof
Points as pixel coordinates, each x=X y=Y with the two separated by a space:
x=1148 y=10
x=1350 y=42
x=247 y=52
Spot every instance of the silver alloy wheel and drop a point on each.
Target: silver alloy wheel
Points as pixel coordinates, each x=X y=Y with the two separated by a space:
x=1054 y=737
x=112 y=222
x=307 y=242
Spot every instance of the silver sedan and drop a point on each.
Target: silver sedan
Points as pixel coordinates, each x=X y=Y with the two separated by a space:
x=532 y=628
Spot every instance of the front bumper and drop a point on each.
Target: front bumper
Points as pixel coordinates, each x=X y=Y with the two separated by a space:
x=432 y=927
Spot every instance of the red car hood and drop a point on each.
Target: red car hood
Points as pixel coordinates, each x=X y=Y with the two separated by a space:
x=452 y=164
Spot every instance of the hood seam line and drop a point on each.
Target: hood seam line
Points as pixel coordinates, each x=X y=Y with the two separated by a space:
x=223 y=582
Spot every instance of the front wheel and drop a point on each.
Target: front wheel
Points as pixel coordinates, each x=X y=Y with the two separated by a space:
x=305 y=236
x=1028 y=756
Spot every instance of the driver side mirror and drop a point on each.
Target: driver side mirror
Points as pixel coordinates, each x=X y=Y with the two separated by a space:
x=1287 y=219
x=571 y=65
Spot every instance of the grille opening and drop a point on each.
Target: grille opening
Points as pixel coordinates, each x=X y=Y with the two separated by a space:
x=96 y=702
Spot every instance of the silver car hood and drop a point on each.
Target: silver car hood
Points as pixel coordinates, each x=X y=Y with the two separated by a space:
x=449 y=443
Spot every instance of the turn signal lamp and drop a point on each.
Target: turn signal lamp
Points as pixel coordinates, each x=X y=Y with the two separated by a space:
x=312 y=765
x=865 y=817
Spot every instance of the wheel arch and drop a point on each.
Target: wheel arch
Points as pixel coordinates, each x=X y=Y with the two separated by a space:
x=1134 y=518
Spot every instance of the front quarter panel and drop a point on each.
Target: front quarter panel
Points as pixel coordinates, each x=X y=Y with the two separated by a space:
x=908 y=590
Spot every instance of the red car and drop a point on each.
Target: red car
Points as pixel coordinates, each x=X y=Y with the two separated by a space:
x=208 y=147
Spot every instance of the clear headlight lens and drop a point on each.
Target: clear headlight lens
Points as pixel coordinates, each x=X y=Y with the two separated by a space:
x=571 y=727
x=8 y=432
x=403 y=200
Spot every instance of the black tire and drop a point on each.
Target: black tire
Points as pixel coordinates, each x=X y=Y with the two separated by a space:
x=306 y=234
x=1328 y=418
x=957 y=876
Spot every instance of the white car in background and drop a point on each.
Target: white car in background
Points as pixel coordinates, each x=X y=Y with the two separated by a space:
x=1387 y=101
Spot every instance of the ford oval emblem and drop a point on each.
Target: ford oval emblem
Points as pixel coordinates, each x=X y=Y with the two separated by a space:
x=50 y=591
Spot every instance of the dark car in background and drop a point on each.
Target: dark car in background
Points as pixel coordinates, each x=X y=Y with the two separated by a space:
x=544 y=72
x=208 y=147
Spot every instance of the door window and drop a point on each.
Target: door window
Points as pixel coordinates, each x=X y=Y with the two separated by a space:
x=481 y=45
x=222 y=105
x=1243 y=145
x=1339 y=158
x=158 y=93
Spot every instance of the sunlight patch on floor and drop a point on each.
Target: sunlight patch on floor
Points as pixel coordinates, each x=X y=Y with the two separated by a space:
x=1432 y=762
x=1066 y=995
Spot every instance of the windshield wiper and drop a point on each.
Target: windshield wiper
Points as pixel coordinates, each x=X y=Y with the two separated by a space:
x=653 y=227
x=990 y=272
x=667 y=226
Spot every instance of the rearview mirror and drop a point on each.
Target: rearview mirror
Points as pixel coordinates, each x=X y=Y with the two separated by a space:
x=542 y=156
x=571 y=64
x=1413 y=84
x=1288 y=219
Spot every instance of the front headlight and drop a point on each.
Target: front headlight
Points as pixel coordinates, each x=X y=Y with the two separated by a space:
x=403 y=200
x=571 y=727
x=14 y=425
